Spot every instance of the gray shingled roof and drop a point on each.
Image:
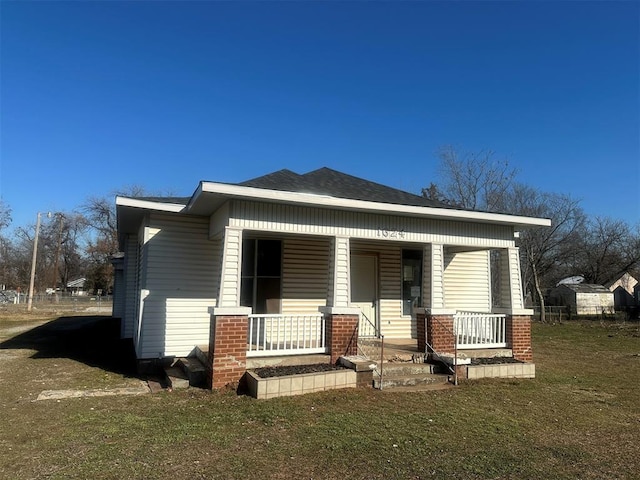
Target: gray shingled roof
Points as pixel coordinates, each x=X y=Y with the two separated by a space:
x=177 y=200
x=326 y=181
x=587 y=288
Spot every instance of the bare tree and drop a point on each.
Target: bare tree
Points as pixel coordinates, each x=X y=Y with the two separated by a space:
x=543 y=250
x=5 y=215
x=5 y=245
x=478 y=181
x=607 y=248
x=100 y=214
x=474 y=180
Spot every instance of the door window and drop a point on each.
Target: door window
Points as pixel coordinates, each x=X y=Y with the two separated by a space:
x=411 y=280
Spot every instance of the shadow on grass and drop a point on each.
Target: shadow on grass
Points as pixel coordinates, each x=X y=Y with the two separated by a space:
x=92 y=340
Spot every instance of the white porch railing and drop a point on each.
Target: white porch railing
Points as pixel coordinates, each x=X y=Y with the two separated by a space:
x=480 y=330
x=270 y=335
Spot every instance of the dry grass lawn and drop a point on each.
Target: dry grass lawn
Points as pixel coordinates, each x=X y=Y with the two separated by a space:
x=580 y=418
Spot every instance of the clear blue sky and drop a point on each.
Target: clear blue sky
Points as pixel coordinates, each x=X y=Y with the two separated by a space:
x=99 y=95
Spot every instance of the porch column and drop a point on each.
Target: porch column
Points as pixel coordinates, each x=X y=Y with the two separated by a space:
x=511 y=296
x=434 y=322
x=339 y=291
x=227 y=345
x=518 y=332
x=341 y=331
x=229 y=321
x=229 y=291
x=518 y=318
x=341 y=320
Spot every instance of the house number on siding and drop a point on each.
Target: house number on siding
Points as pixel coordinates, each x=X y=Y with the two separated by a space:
x=383 y=232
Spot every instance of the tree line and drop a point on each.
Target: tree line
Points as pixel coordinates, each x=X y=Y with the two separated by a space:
x=71 y=245
x=600 y=249
x=81 y=243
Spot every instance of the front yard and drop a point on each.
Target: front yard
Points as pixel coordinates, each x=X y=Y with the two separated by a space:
x=580 y=418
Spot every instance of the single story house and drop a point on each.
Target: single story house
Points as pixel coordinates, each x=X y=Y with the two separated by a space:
x=583 y=298
x=291 y=263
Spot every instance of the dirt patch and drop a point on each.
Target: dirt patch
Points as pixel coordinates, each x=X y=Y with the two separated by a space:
x=268 y=372
x=494 y=361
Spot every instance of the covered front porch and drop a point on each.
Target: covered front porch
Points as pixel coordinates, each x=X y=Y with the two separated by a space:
x=334 y=295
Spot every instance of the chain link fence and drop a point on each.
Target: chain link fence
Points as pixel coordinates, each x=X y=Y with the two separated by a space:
x=60 y=301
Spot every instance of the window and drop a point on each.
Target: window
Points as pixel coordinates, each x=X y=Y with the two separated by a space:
x=261 y=275
x=411 y=280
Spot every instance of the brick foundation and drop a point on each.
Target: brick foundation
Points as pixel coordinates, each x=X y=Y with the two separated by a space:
x=518 y=331
x=342 y=335
x=227 y=350
x=440 y=333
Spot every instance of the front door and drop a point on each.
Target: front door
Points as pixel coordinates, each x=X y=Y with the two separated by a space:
x=364 y=290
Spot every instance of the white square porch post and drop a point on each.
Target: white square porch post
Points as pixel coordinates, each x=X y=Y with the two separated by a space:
x=518 y=325
x=434 y=323
x=511 y=280
x=229 y=294
x=229 y=321
x=339 y=280
x=341 y=319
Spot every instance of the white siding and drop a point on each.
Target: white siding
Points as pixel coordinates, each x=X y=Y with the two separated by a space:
x=305 y=268
x=229 y=288
x=130 y=276
x=511 y=295
x=378 y=227
x=437 y=294
x=341 y=272
x=467 y=283
x=180 y=265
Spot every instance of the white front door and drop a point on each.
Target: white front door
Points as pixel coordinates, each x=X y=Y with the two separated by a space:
x=364 y=290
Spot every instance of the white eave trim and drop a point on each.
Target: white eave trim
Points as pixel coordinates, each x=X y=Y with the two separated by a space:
x=149 y=205
x=344 y=203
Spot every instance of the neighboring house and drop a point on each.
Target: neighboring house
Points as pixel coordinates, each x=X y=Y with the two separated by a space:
x=583 y=298
x=623 y=289
x=76 y=287
x=292 y=264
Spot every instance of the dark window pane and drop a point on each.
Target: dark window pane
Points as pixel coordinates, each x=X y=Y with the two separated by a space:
x=248 y=257
x=246 y=292
x=269 y=258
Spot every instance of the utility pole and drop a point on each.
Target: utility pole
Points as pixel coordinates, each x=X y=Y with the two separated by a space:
x=33 y=262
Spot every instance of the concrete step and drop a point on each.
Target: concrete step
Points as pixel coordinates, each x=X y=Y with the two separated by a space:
x=194 y=369
x=202 y=353
x=176 y=378
x=408 y=368
x=412 y=380
x=419 y=388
